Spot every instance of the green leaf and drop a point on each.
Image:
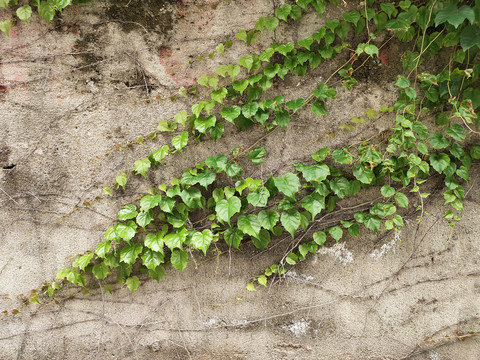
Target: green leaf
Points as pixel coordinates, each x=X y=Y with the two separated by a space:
x=259 y=197
x=127 y=212
x=320 y=237
x=387 y=191
x=373 y=222
x=420 y=129
x=121 y=180
x=288 y=184
x=155 y=241
x=257 y=155
x=180 y=141
x=318 y=108
x=233 y=170
x=216 y=131
x=176 y=239
x=107 y=191
x=340 y=186
x=262 y=241
x=282 y=118
x=24 y=13
x=352 y=17
x=354 y=230
x=219 y=95
x=201 y=124
x=100 y=271
x=456 y=131
x=202 y=240
x=402 y=82
x=271 y=23
x=233 y=237
x=439 y=161
x=46 y=10
x=291 y=259
x=475 y=152
x=231 y=113
x=217 y=163
x=313 y=173
x=225 y=209
x=144 y=218
x=151 y=259
x=321 y=154
x=283 y=12
x=158 y=273
x=126 y=231
x=438 y=141
x=241 y=35
x=323 y=91
x=470 y=37
x=246 y=62
x=160 y=154
x=82 y=261
x=343 y=156
x=295 y=104
x=103 y=248
x=220 y=49
x=141 y=166
x=249 y=224
x=132 y=283
x=130 y=252
x=249 y=109
x=192 y=197
x=148 y=202
x=166 y=125
x=454 y=15
x=389 y=9
x=240 y=85
x=268 y=219
x=290 y=220
x=313 y=203
x=251 y=287
x=336 y=232
x=401 y=200
x=233 y=71
x=363 y=172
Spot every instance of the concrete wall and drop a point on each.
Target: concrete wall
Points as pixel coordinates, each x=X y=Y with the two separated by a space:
x=74 y=90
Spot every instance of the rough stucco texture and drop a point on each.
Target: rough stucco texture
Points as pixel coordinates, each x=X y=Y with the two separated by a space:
x=74 y=90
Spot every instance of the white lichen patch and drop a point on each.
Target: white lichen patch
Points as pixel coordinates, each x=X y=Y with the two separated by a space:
x=299 y=328
x=386 y=248
x=339 y=251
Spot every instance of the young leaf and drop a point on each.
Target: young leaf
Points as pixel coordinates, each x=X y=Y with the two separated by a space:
x=271 y=23
x=160 y=154
x=283 y=12
x=336 y=232
x=82 y=261
x=141 y=166
x=313 y=203
x=127 y=212
x=249 y=109
x=121 y=180
x=233 y=237
x=175 y=240
x=24 y=13
x=166 y=125
x=144 y=218
x=231 y=113
x=180 y=141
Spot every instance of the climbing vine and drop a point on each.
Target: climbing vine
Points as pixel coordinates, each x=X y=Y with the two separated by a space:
x=193 y=212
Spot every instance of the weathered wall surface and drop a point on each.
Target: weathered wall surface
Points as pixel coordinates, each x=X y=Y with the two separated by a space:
x=74 y=90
